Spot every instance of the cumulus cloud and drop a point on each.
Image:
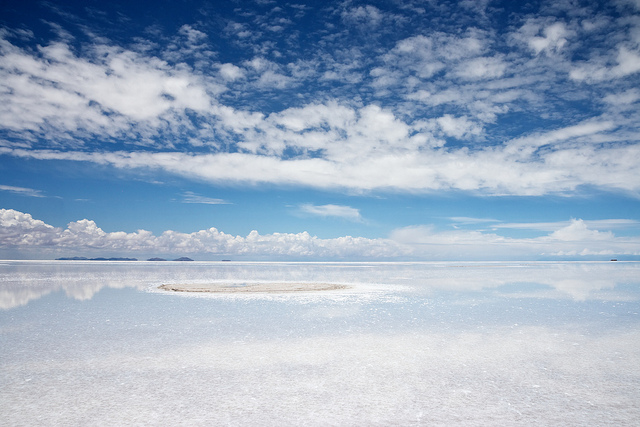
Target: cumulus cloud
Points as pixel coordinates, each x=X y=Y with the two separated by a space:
x=552 y=40
x=18 y=229
x=231 y=72
x=628 y=62
x=578 y=231
x=458 y=127
x=21 y=232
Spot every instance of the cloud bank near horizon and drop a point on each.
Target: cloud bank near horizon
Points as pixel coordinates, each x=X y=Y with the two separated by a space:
x=21 y=233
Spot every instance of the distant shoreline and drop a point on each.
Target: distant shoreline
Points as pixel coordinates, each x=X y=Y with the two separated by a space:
x=82 y=258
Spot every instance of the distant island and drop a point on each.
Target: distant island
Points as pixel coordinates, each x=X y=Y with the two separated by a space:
x=184 y=258
x=82 y=258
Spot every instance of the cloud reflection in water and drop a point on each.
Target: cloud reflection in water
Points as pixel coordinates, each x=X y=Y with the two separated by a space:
x=21 y=282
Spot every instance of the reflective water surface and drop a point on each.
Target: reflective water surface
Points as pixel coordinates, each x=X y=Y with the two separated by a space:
x=97 y=343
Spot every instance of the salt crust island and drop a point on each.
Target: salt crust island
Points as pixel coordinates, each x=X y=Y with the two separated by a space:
x=263 y=287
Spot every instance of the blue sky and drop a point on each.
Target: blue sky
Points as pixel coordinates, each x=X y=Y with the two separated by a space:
x=332 y=130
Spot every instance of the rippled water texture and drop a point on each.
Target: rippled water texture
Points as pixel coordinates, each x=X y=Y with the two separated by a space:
x=98 y=343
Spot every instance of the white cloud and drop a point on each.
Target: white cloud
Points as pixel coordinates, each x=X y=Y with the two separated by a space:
x=365 y=15
x=274 y=79
x=109 y=92
x=427 y=56
x=268 y=74
x=20 y=232
x=574 y=239
x=458 y=127
x=546 y=36
x=239 y=30
x=553 y=39
x=625 y=98
x=339 y=134
x=583 y=131
x=481 y=68
x=628 y=63
x=578 y=231
x=418 y=59
x=632 y=3
x=338 y=211
x=193 y=35
x=231 y=72
x=22 y=191
x=18 y=229
x=191 y=197
x=470 y=220
x=607 y=224
x=374 y=140
x=314 y=116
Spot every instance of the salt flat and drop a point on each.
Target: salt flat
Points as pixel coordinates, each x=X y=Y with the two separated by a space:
x=401 y=344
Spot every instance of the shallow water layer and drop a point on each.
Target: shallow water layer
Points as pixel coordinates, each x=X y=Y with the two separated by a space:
x=97 y=343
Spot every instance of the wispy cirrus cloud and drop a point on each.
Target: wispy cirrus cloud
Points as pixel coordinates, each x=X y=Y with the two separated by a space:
x=23 y=191
x=335 y=211
x=470 y=220
x=607 y=224
x=191 y=197
x=574 y=239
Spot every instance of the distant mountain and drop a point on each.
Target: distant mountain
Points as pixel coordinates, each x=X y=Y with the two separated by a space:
x=82 y=258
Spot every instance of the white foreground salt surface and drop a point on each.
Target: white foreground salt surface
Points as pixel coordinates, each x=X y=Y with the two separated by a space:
x=86 y=343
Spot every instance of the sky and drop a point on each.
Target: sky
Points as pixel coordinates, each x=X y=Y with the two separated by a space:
x=320 y=130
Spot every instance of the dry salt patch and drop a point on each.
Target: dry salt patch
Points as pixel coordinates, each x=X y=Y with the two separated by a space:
x=253 y=288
